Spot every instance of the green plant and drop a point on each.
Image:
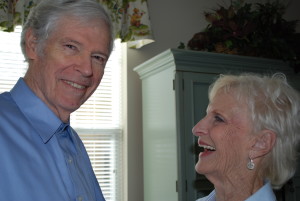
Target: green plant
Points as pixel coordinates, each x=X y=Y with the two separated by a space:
x=247 y=29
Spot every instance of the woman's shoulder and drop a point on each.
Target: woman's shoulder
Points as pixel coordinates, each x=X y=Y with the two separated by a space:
x=265 y=191
x=210 y=197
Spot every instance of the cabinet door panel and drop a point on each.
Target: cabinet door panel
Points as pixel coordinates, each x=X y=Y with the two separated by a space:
x=194 y=94
x=291 y=190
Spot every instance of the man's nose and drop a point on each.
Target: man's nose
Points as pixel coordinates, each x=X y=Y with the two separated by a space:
x=85 y=65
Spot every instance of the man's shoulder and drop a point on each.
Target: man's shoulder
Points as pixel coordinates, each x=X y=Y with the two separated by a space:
x=5 y=96
x=6 y=102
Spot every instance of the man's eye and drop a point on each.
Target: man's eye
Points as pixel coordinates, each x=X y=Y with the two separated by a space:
x=99 y=59
x=70 y=46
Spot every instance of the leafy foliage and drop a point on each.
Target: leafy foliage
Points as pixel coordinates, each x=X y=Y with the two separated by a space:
x=247 y=29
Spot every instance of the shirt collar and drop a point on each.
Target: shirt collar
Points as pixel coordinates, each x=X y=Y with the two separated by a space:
x=211 y=196
x=265 y=192
x=45 y=122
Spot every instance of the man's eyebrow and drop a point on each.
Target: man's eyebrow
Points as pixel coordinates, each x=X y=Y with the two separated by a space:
x=106 y=55
x=70 y=40
x=100 y=53
x=64 y=40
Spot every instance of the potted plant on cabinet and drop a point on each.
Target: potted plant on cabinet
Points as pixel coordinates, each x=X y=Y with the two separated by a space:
x=250 y=29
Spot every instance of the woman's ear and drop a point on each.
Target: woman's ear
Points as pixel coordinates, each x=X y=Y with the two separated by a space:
x=30 y=45
x=263 y=144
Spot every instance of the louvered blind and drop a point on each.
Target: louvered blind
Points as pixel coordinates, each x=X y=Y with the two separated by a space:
x=12 y=64
x=98 y=121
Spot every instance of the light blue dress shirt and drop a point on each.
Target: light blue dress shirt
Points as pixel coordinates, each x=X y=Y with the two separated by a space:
x=265 y=193
x=41 y=158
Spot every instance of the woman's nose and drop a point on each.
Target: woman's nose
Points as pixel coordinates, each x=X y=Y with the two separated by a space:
x=200 y=128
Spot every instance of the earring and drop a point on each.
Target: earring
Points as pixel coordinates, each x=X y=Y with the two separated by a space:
x=250 y=164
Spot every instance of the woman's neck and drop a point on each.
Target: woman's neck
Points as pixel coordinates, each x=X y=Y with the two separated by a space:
x=236 y=187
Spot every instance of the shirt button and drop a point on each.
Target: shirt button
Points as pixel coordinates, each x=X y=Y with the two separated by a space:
x=70 y=160
x=80 y=198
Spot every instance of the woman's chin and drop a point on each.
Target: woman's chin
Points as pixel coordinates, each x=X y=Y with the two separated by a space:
x=198 y=167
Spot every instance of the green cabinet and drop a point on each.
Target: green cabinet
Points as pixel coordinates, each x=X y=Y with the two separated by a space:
x=175 y=96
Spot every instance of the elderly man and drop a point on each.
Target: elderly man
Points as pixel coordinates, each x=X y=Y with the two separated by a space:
x=66 y=44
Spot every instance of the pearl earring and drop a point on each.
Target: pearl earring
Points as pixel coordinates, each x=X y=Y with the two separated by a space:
x=250 y=164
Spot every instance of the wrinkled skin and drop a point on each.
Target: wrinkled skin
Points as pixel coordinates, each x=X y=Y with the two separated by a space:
x=227 y=128
x=71 y=66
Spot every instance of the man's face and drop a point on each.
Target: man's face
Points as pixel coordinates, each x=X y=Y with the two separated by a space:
x=71 y=66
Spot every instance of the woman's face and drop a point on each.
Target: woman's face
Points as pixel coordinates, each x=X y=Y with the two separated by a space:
x=225 y=134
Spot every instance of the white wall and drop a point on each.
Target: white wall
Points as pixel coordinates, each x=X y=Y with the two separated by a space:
x=173 y=21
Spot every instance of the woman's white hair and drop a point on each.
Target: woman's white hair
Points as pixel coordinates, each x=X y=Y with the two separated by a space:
x=273 y=105
x=43 y=19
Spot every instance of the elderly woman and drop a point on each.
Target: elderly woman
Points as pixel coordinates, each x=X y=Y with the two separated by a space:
x=250 y=136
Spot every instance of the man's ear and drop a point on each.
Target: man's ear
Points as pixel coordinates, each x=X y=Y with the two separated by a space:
x=263 y=144
x=30 y=44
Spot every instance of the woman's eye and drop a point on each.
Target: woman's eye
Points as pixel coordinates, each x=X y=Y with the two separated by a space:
x=218 y=119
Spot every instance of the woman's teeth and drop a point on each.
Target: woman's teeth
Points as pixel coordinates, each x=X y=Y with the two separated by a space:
x=208 y=147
